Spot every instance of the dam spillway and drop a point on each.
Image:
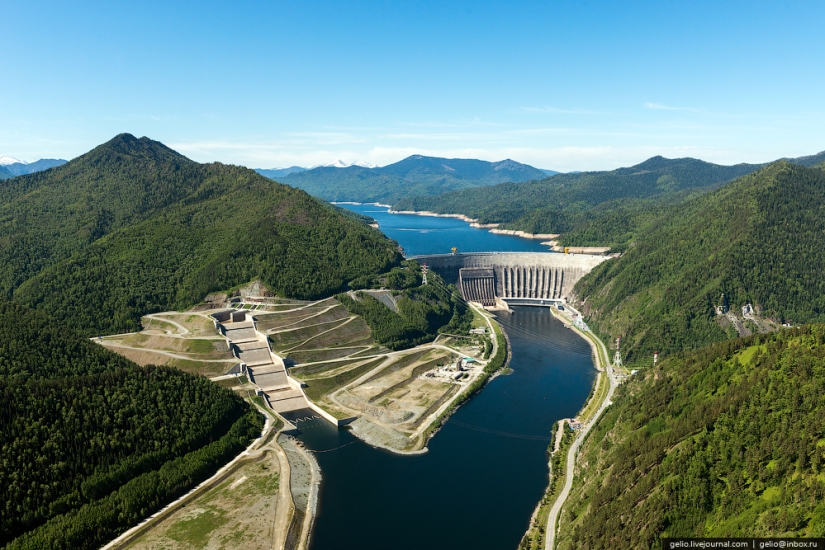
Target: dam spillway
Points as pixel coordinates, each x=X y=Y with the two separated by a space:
x=523 y=277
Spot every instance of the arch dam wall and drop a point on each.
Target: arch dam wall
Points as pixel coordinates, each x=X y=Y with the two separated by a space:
x=518 y=276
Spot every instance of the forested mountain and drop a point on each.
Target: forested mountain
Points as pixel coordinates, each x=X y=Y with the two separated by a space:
x=413 y=176
x=5 y=174
x=759 y=240
x=134 y=227
x=564 y=202
x=91 y=442
x=722 y=442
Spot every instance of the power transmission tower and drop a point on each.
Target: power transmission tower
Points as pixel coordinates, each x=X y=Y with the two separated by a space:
x=424 y=274
x=617 y=357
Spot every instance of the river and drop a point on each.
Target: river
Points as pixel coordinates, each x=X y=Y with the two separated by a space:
x=487 y=468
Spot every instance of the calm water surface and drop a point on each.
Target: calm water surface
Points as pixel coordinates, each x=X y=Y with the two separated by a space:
x=486 y=469
x=431 y=235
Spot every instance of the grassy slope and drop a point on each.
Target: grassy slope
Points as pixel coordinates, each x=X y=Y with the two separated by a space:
x=760 y=239
x=725 y=441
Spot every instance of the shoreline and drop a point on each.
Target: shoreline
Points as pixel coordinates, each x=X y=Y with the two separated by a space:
x=362 y=203
x=523 y=235
x=601 y=359
x=548 y=239
x=550 y=501
x=440 y=416
x=491 y=227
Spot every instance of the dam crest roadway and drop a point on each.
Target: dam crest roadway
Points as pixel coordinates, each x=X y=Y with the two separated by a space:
x=517 y=278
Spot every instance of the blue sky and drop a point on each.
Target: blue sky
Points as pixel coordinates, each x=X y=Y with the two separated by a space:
x=567 y=85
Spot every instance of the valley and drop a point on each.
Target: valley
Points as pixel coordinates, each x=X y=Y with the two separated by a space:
x=443 y=276
x=388 y=353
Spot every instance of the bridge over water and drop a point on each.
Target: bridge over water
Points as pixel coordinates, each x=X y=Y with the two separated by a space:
x=523 y=278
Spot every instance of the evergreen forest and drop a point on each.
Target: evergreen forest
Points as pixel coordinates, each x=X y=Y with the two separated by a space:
x=133 y=227
x=423 y=311
x=91 y=443
x=591 y=208
x=758 y=240
x=726 y=441
x=564 y=202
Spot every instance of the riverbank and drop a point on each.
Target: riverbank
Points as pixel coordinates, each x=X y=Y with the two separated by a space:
x=258 y=451
x=508 y=422
x=304 y=486
x=492 y=227
x=379 y=435
x=541 y=533
x=363 y=203
x=500 y=357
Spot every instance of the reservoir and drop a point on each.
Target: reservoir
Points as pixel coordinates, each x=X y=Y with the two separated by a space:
x=486 y=469
x=435 y=235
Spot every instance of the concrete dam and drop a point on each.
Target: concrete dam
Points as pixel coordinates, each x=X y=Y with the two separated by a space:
x=515 y=277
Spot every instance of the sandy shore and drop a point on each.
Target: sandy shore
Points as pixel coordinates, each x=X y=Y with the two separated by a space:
x=436 y=215
x=550 y=238
x=363 y=203
x=525 y=235
x=493 y=227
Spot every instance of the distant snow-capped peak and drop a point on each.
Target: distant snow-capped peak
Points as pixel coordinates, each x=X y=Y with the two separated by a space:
x=5 y=161
x=341 y=164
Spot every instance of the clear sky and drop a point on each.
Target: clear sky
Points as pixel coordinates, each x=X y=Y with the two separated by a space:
x=565 y=85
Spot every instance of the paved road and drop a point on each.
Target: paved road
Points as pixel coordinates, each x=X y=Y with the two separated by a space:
x=553 y=517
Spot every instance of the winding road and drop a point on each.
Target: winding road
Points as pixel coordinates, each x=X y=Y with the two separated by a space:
x=555 y=511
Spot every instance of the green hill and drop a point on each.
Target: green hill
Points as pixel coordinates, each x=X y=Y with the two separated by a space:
x=567 y=202
x=723 y=442
x=133 y=227
x=759 y=240
x=413 y=176
x=92 y=443
x=421 y=311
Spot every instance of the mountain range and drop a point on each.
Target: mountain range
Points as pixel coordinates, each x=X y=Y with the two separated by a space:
x=721 y=438
x=11 y=167
x=273 y=173
x=413 y=176
x=590 y=208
